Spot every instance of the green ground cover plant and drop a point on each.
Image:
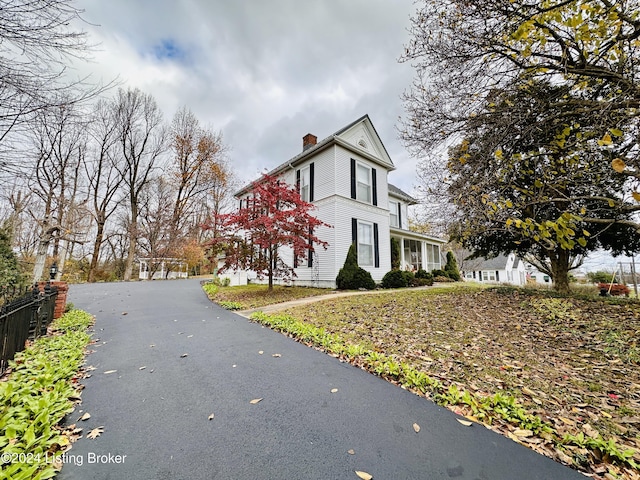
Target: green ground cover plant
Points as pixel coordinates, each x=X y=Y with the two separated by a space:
x=37 y=394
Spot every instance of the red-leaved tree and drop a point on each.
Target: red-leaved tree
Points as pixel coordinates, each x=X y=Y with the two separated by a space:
x=272 y=216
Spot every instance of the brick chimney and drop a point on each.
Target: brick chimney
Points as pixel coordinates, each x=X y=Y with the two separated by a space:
x=308 y=141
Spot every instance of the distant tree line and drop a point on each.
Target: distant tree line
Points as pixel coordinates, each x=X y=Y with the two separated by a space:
x=88 y=180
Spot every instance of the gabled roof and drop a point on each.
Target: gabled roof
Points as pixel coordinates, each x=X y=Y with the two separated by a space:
x=340 y=137
x=494 y=263
x=398 y=193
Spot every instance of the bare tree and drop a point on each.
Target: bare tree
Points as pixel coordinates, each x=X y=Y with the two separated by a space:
x=37 y=42
x=103 y=177
x=142 y=139
x=60 y=144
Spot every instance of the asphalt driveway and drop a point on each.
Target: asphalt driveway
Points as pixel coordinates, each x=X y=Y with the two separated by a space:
x=178 y=404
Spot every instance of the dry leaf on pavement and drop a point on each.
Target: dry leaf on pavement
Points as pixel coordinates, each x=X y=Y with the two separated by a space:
x=364 y=475
x=95 y=433
x=416 y=427
x=255 y=400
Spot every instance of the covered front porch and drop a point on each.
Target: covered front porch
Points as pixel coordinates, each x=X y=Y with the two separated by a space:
x=418 y=251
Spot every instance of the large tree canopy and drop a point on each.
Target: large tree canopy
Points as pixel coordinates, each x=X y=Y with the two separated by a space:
x=520 y=184
x=539 y=103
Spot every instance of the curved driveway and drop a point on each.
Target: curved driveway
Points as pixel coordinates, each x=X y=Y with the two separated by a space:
x=200 y=360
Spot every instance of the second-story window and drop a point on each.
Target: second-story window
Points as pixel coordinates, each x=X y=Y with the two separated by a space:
x=363 y=179
x=305 y=184
x=393 y=214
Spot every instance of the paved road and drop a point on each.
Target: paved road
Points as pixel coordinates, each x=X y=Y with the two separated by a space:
x=156 y=419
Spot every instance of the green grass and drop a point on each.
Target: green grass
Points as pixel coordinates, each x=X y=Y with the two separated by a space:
x=254 y=296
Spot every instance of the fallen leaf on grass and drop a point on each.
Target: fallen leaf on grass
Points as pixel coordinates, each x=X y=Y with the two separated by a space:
x=416 y=427
x=110 y=371
x=464 y=422
x=519 y=432
x=211 y=416
x=363 y=475
x=95 y=433
x=255 y=400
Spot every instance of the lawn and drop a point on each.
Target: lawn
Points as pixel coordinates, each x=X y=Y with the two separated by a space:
x=255 y=296
x=572 y=363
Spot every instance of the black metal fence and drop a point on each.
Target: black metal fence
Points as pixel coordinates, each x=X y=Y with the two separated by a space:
x=23 y=318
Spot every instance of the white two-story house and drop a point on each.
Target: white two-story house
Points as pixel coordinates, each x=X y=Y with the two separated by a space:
x=345 y=177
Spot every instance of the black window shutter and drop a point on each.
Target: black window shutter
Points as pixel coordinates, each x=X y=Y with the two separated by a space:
x=310 y=252
x=353 y=178
x=240 y=204
x=298 y=181
x=399 y=215
x=354 y=231
x=374 y=186
x=497 y=276
x=311 y=183
x=376 y=246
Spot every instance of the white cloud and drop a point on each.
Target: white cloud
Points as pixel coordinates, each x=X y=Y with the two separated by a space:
x=264 y=73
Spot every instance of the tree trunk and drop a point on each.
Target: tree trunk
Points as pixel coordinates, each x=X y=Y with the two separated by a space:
x=43 y=247
x=96 y=253
x=64 y=253
x=133 y=239
x=560 y=269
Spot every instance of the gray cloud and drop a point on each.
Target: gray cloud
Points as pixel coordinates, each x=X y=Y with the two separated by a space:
x=264 y=73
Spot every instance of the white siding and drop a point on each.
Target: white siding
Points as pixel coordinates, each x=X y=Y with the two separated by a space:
x=343 y=175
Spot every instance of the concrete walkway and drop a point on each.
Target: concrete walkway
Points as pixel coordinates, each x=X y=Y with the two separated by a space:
x=173 y=385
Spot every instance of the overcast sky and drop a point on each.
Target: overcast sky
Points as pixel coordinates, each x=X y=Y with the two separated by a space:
x=264 y=73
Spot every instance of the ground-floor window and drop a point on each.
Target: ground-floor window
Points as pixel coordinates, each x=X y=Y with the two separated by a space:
x=488 y=276
x=365 y=244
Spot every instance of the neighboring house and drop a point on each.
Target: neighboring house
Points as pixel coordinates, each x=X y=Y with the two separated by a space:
x=501 y=269
x=345 y=177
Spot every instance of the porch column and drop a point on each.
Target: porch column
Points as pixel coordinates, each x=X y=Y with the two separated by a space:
x=402 y=254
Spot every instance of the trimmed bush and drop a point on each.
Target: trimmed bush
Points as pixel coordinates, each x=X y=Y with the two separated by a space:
x=422 y=282
x=394 y=279
x=351 y=276
x=423 y=274
x=442 y=279
x=451 y=268
x=439 y=273
x=395 y=254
